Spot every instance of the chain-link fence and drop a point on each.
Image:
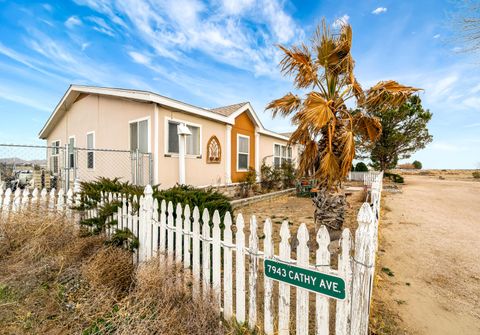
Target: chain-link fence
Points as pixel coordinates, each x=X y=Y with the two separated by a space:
x=58 y=167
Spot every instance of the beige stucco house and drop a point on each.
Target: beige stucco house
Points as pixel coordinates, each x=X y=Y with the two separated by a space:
x=187 y=144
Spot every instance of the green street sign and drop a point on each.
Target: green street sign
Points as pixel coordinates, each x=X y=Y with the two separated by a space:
x=314 y=281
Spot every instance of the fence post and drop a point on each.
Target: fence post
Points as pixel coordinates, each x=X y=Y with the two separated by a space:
x=25 y=198
x=196 y=250
x=155 y=225
x=206 y=250
x=216 y=257
x=268 y=283
x=170 y=228
x=186 y=236
x=252 y=277
x=302 y=294
x=34 y=201
x=16 y=200
x=178 y=234
x=342 y=319
x=60 y=200
x=283 y=288
x=361 y=285
x=51 y=200
x=6 y=201
x=163 y=225
x=321 y=302
x=240 y=270
x=227 y=268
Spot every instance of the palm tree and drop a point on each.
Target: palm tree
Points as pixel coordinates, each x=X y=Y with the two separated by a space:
x=325 y=127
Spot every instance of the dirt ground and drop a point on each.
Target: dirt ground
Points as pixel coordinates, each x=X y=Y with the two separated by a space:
x=429 y=268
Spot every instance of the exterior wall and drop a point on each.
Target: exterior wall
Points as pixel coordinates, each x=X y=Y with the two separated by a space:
x=109 y=119
x=197 y=171
x=267 y=150
x=243 y=126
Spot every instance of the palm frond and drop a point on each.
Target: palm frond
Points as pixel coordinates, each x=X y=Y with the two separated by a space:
x=388 y=94
x=329 y=167
x=298 y=61
x=348 y=152
x=316 y=112
x=286 y=105
x=369 y=127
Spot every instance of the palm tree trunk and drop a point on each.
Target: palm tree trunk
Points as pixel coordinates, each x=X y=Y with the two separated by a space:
x=329 y=209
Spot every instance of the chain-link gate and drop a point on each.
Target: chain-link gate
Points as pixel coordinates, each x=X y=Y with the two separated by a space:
x=58 y=167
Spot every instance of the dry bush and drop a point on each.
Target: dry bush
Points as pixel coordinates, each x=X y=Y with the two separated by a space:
x=54 y=281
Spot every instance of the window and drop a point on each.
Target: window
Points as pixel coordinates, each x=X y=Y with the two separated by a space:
x=139 y=136
x=193 y=141
x=243 y=152
x=90 y=153
x=71 y=152
x=54 y=156
x=281 y=154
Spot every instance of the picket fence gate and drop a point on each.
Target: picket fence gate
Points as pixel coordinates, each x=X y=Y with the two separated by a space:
x=221 y=261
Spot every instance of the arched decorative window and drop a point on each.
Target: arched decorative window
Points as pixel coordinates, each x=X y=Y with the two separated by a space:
x=214 y=151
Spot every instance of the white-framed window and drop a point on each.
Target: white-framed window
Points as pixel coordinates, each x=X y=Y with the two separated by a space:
x=281 y=153
x=90 y=153
x=193 y=145
x=55 y=151
x=243 y=152
x=139 y=135
x=71 y=152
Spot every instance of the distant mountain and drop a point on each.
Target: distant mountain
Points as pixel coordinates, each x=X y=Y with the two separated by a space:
x=19 y=161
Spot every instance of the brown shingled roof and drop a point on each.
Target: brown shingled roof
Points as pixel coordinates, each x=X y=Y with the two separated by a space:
x=228 y=110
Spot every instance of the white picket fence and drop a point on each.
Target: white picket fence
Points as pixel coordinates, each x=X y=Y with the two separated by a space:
x=230 y=264
x=232 y=267
x=11 y=202
x=368 y=177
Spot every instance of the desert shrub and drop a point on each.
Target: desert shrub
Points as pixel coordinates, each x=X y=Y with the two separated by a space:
x=288 y=174
x=51 y=278
x=248 y=184
x=417 y=165
x=476 y=174
x=184 y=194
x=361 y=167
x=396 y=178
x=270 y=177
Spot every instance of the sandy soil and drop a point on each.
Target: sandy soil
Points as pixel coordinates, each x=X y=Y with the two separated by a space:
x=430 y=245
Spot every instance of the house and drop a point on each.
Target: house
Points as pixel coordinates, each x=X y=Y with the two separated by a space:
x=95 y=131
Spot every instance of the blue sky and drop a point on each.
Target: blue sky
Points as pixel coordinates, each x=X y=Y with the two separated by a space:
x=219 y=52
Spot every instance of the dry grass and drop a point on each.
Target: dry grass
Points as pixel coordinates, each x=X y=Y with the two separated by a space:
x=53 y=281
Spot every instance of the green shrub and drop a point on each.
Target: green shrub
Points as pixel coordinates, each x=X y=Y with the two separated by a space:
x=476 y=174
x=396 y=178
x=183 y=194
x=248 y=184
x=270 y=177
x=361 y=167
x=417 y=165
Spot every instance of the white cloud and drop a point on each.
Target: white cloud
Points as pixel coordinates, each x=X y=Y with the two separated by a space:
x=47 y=7
x=341 y=21
x=176 y=28
x=472 y=125
x=139 y=58
x=73 y=21
x=84 y=46
x=436 y=36
x=379 y=10
x=101 y=26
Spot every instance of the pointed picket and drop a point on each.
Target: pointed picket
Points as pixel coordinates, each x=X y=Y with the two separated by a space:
x=302 y=294
x=253 y=273
x=170 y=228
x=206 y=250
x=25 y=198
x=227 y=268
x=283 y=288
x=155 y=225
x=322 y=263
x=196 y=251
x=216 y=257
x=51 y=200
x=342 y=317
x=163 y=226
x=17 y=200
x=1 y=197
x=359 y=284
x=240 y=270
x=268 y=283
x=43 y=197
x=6 y=201
x=178 y=233
x=186 y=236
